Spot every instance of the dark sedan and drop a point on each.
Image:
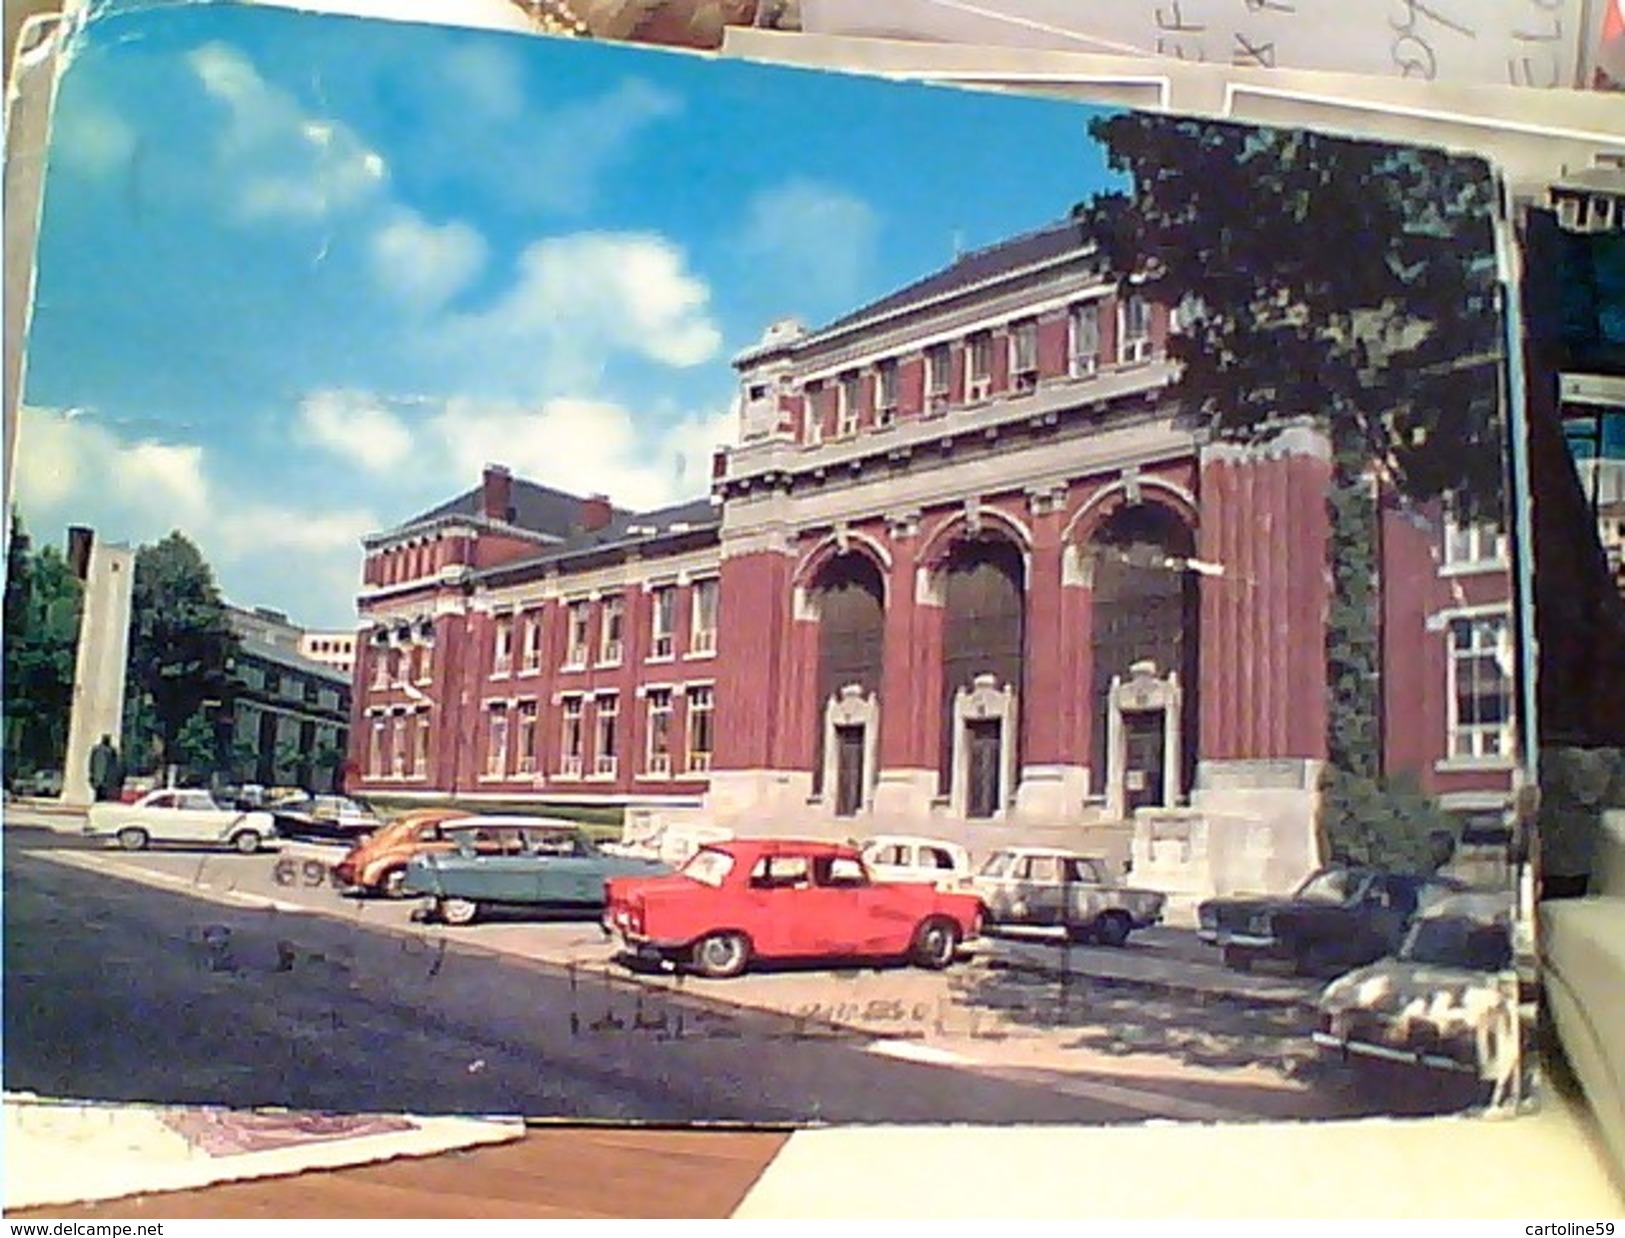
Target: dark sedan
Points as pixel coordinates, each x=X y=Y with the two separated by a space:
x=1339 y=918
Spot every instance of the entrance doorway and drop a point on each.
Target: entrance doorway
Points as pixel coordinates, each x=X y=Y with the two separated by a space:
x=848 y=770
x=1145 y=751
x=985 y=743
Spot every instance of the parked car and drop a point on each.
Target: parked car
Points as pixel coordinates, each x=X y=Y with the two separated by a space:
x=1447 y=1002
x=376 y=864
x=517 y=862
x=780 y=899
x=1340 y=917
x=45 y=783
x=904 y=857
x=323 y=816
x=179 y=815
x=1042 y=886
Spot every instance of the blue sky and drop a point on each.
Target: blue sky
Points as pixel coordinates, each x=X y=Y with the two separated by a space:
x=301 y=276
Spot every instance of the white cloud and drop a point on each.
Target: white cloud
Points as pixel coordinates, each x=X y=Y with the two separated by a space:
x=65 y=465
x=813 y=238
x=486 y=76
x=290 y=164
x=89 y=138
x=576 y=301
x=75 y=471
x=356 y=426
x=425 y=265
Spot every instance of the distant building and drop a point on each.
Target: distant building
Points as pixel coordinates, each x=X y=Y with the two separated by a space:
x=330 y=648
x=288 y=721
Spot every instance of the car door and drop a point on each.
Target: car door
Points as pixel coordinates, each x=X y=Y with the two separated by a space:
x=497 y=872
x=785 y=920
x=198 y=819
x=567 y=871
x=859 y=916
x=1041 y=889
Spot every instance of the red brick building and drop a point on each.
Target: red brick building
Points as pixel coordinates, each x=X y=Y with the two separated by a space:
x=967 y=571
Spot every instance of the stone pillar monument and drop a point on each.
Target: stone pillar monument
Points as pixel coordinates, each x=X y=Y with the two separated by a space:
x=104 y=645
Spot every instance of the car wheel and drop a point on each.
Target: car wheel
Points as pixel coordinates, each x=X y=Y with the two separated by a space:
x=935 y=943
x=393 y=884
x=458 y=910
x=248 y=842
x=1236 y=958
x=722 y=955
x=1113 y=928
x=133 y=839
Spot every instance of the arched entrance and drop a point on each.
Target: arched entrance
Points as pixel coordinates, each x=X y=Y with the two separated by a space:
x=849 y=595
x=1146 y=603
x=983 y=594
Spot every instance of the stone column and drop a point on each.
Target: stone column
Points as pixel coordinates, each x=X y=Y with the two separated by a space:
x=1050 y=788
x=907 y=780
x=101 y=666
x=1263 y=660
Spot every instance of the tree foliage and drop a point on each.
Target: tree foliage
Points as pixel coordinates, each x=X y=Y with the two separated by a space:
x=43 y=599
x=181 y=642
x=1352 y=284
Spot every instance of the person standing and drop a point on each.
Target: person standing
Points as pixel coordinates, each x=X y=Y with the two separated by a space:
x=106 y=770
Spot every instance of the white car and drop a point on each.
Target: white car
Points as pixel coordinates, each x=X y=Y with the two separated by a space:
x=179 y=815
x=924 y=861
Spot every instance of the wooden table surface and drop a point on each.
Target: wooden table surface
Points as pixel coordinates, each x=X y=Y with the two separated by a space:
x=578 y=1172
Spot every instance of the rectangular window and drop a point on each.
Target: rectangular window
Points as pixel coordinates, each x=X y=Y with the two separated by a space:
x=1474 y=545
x=1135 y=338
x=1024 y=354
x=527 y=737
x=939 y=360
x=496 y=748
x=813 y=423
x=611 y=615
x=502 y=657
x=375 y=763
x=575 y=651
x=1480 y=688
x=886 y=393
x=659 y=750
x=397 y=747
x=851 y=404
x=426 y=660
x=532 y=648
x=703 y=628
x=979 y=366
x=410 y=724
x=662 y=621
x=609 y=709
x=1083 y=340
x=421 y=763
x=570 y=739
x=700 y=718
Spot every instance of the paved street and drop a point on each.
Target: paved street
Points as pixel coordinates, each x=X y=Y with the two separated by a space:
x=185 y=975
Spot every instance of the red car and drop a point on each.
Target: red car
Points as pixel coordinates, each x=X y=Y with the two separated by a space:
x=779 y=898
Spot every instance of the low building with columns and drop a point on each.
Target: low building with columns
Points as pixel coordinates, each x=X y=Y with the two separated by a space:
x=967 y=572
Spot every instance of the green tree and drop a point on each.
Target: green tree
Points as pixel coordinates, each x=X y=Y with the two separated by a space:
x=43 y=599
x=1350 y=283
x=181 y=642
x=197 y=747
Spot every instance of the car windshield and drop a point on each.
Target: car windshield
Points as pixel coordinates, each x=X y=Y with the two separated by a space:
x=1459 y=941
x=998 y=864
x=708 y=866
x=1335 y=885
